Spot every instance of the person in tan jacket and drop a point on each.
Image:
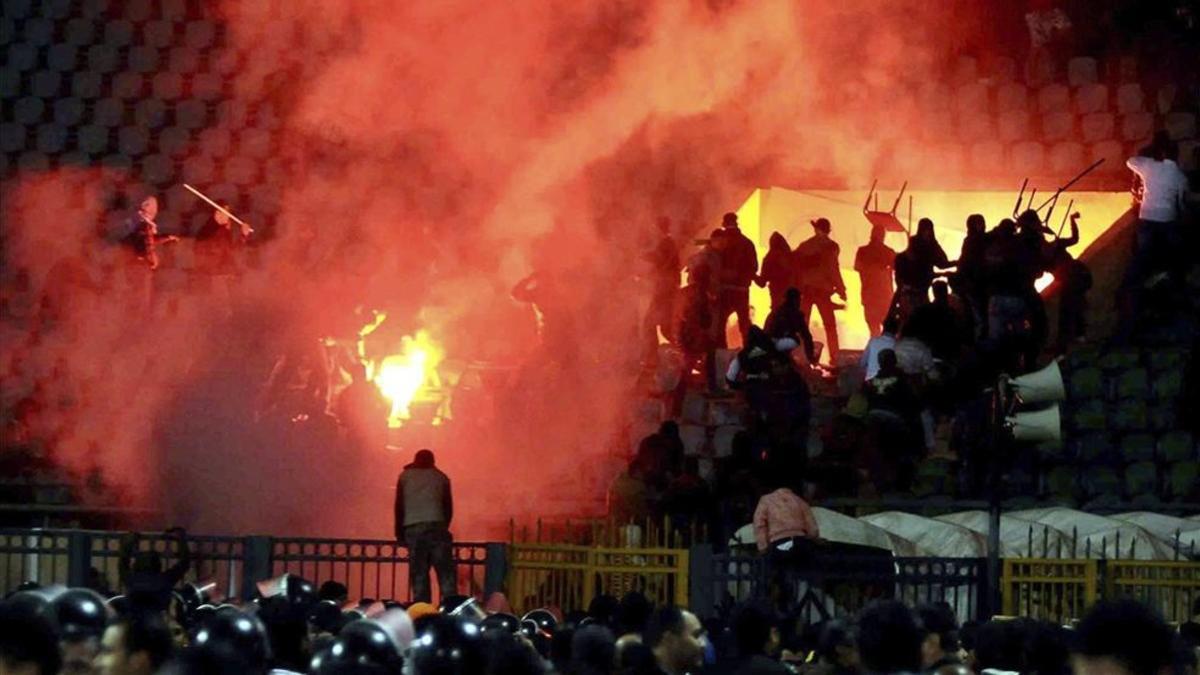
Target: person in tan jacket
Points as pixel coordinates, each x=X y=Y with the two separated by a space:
x=781 y=518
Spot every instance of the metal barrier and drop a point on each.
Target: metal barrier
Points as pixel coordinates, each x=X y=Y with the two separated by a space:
x=376 y=569
x=840 y=585
x=1169 y=587
x=1049 y=589
x=569 y=577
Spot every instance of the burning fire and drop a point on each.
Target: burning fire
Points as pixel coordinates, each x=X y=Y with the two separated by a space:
x=402 y=378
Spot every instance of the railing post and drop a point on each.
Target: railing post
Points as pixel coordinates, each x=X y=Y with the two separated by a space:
x=79 y=558
x=701 y=580
x=256 y=563
x=495 y=568
x=992 y=601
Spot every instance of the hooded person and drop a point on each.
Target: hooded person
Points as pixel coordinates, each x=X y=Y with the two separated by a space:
x=778 y=273
x=423 y=510
x=739 y=267
x=874 y=263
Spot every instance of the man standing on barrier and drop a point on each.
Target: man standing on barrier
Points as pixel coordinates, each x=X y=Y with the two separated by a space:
x=424 y=508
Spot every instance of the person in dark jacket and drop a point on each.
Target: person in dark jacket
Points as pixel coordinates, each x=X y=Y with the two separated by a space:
x=874 y=263
x=143 y=580
x=778 y=272
x=739 y=267
x=424 y=509
x=820 y=278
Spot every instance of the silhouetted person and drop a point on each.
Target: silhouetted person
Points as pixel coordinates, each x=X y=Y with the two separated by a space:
x=820 y=278
x=739 y=266
x=778 y=272
x=939 y=324
x=141 y=235
x=894 y=422
x=915 y=269
x=969 y=281
x=424 y=509
x=143 y=580
x=698 y=334
x=874 y=264
x=362 y=412
x=1074 y=280
x=664 y=279
x=789 y=321
x=661 y=452
x=216 y=244
x=547 y=292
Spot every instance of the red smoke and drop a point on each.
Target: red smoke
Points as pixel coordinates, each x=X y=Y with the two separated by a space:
x=445 y=150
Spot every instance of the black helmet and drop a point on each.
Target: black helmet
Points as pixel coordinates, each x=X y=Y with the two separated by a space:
x=192 y=596
x=245 y=633
x=119 y=604
x=326 y=616
x=544 y=619
x=81 y=613
x=505 y=623
x=447 y=645
x=363 y=647
x=451 y=603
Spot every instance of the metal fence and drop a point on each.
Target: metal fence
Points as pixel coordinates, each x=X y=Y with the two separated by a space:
x=368 y=568
x=569 y=577
x=831 y=586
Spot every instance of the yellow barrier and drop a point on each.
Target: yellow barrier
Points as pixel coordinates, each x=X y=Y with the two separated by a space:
x=1169 y=587
x=568 y=577
x=1048 y=589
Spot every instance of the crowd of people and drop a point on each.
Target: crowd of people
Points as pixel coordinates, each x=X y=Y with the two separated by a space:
x=291 y=626
x=943 y=332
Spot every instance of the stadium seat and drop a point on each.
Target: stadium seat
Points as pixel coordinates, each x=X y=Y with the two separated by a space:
x=1054 y=98
x=722 y=439
x=1177 y=446
x=8 y=30
x=69 y=111
x=118 y=33
x=139 y=10
x=1062 y=484
x=1092 y=98
x=159 y=34
x=143 y=59
x=1112 y=152
x=1164 y=99
x=1168 y=385
x=1100 y=482
x=1012 y=125
x=128 y=85
x=694 y=436
x=174 y=10
x=1093 y=448
x=1129 y=416
x=51 y=139
x=1132 y=383
x=239 y=170
x=183 y=60
x=191 y=114
x=199 y=34
x=38 y=31
x=217 y=142
x=167 y=86
x=1002 y=69
x=972 y=98
x=79 y=32
x=1182 y=481
x=1012 y=96
x=226 y=63
x=10 y=83
x=62 y=58
x=206 y=87
x=150 y=113
x=29 y=110
x=988 y=156
x=1027 y=158
x=33 y=162
x=255 y=143
x=12 y=137
x=1066 y=158
x=46 y=84
x=108 y=112
x=232 y=113
x=1189 y=155
x=132 y=141
x=974 y=127
x=18 y=9
x=1127 y=69
x=93 y=139
x=1097 y=126
x=1085 y=383
x=1130 y=99
x=158 y=170
x=1164 y=415
x=198 y=169
x=57 y=9
x=1180 y=125
x=103 y=58
x=22 y=56
x=1137 y=448
x=1137 y=126
x=1082 y=71
x=1058 y=126
x=174 y=141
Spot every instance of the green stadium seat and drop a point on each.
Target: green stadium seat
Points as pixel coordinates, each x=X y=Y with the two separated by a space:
x=1141 y=479
x=108 y=112
x=1177 y=446
x=18 y=9
x=22 y=56
x=1062 y=484
x=118 y=33
x=29 y=110
x=51 y=138
x=1101 y=482
x=93 y=139
x=1090 y=415
x=128 y=85
x=46 y=84
x=103 y=58
x=1085 y=383
x=933 y=477
x=12 y=137
x=1130 y=415
x=87 y=84
x=1183 y=481
x=69 y=111
x=63 y=58
x=1137 y=448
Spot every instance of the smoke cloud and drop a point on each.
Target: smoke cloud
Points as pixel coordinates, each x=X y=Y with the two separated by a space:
x=431 y=155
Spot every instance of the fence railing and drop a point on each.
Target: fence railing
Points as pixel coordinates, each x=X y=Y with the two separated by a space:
x=368 y=568
x=836 y=585
x=1056 y=590
x=569 y=577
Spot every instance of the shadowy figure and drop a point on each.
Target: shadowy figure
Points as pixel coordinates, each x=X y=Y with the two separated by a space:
x=778 y=273
x=914 y=269
x=739 y=266
x=820 y=277
x=664 y=264
x=874 y=264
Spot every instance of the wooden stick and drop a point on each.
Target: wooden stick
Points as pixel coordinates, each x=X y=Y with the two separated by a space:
x=218 y=207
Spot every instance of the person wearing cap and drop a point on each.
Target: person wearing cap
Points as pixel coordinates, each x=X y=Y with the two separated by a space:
x=424 y=509
x=820 y=277
x=739 y=268
x=874 y=263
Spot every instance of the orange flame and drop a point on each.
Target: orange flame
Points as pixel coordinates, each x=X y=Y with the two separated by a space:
x=403 y=377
